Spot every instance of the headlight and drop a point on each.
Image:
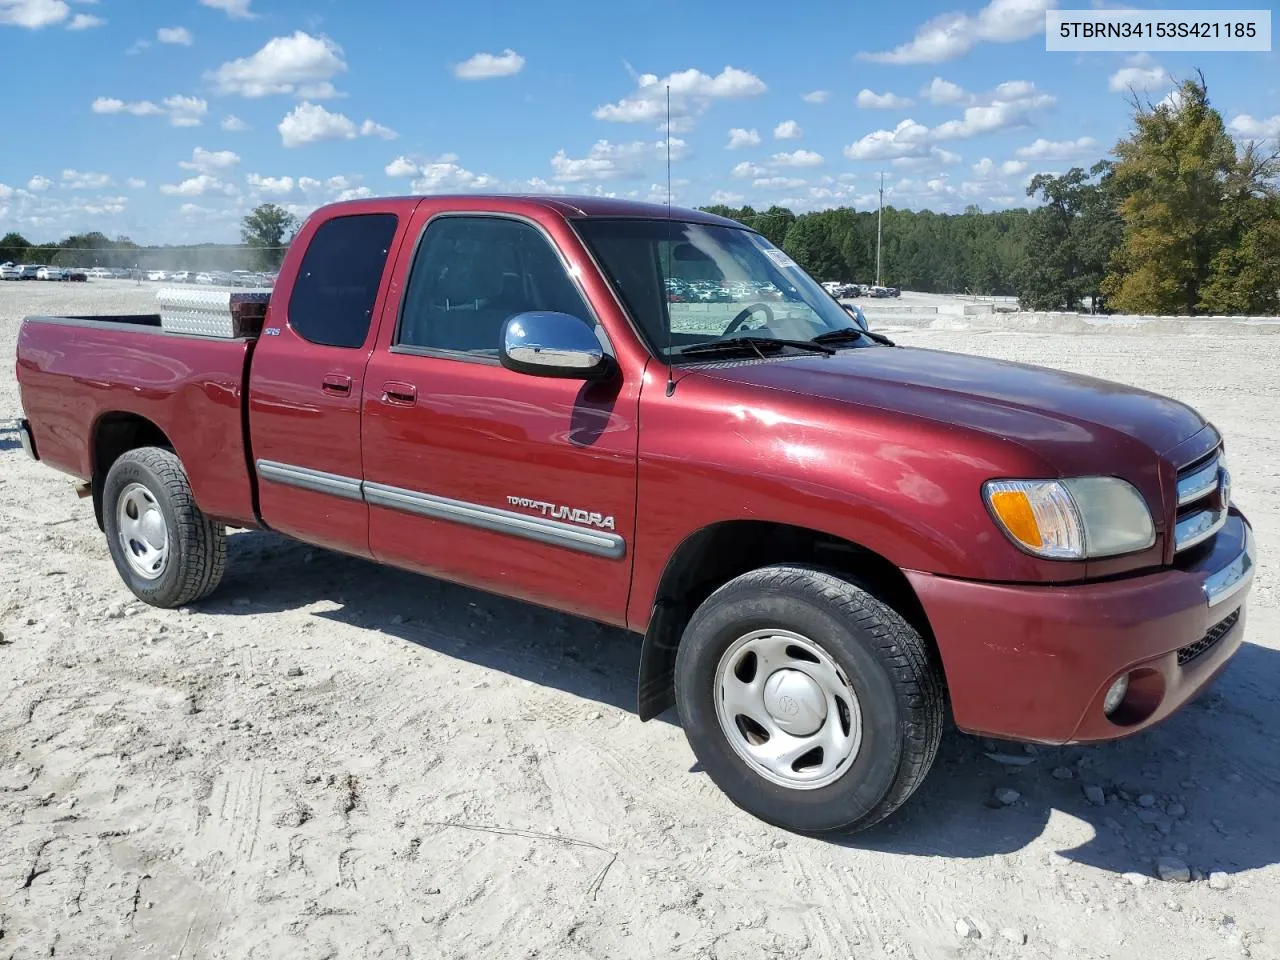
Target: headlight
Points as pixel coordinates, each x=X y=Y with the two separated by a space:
x=1071 y=519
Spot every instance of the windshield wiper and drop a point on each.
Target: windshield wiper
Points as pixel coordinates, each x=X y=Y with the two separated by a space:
x=845 y=334
x=735 y=344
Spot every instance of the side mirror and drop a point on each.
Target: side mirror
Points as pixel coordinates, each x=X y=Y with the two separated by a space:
x=857 y=315
x=548 y=344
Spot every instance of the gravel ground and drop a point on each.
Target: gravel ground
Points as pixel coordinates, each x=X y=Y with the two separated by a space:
x=332 y=759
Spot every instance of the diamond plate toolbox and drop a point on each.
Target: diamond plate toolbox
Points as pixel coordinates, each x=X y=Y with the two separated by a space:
x=213 y=313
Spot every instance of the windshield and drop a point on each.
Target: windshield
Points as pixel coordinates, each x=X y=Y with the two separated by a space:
x=691 y=283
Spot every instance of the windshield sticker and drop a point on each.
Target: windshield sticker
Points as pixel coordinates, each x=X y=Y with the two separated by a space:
x=780 y=258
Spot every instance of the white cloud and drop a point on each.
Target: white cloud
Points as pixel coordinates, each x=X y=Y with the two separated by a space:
x=39 y=184
x=135 y=183
x=944 y=93
x=85 y=21
x=402 y=167
x=907 y=139
x=371 y=129
x=270 y=186
x=1008 y=106
x=747 y=169
x=612 y=161
x=185 y=111
x=33 y=14
x=181 y=111
x=984 y=167
x=952 y=35
x=778 y=183
x=6 y=191
x=1011 y=168
x=727 y=198
x=233 y=124
x=870 y=100
x=1171 y=100
x=815 y=96
x=484 y=66
x=235 y=9
x=692 y=93
x=138 y=47
x=75 y=180
x=199 y=186
x=797 y=158
x=787 y=130
x=1247 y=127
x=312 y=123
x=738 y=137
x=176 y=35
x=210 y=161
x=299 y=64
x=1138 y=78
x=1042 y=149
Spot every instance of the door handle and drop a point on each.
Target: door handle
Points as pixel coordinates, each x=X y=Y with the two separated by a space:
x=400 y=393
x=335 y=384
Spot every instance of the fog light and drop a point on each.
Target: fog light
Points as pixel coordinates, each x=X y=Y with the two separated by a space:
x=1115 y=695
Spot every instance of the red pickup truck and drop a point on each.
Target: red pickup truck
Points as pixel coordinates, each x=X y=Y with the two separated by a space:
x=655 y=419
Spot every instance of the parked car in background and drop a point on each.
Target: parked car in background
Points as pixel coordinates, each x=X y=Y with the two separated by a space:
x=75 y=275
x=157 y=275
x=204 y=278
x=50 y=273
x=28 y=270
x=182 y=276
x=100 y=273
x=10 y=271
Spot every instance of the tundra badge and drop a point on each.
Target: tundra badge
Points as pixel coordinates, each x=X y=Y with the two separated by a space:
x=557 y=512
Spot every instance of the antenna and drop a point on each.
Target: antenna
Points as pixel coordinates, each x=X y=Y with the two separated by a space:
x=879 y=216
x=671 y=381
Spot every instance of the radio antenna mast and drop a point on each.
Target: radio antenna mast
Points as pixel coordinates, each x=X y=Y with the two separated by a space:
x=671 y=381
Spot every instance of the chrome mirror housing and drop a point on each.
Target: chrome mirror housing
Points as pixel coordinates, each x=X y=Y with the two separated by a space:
x=549 y=344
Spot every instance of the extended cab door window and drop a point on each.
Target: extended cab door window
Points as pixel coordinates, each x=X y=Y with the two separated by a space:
x=470 y=275
x=306 y=383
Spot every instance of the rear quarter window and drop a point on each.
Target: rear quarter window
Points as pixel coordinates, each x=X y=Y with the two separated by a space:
x=333 y=294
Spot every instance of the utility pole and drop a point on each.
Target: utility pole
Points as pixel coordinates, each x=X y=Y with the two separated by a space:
x=879 y=219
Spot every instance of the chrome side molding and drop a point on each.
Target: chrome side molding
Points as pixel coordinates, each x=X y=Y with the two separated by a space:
x=553 y=532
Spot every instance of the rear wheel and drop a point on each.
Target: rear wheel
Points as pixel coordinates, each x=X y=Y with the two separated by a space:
x=812 y=704
x=165 y=549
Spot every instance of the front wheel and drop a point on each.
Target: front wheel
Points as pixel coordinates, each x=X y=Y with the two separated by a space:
x=812 y=704
x=165 y=549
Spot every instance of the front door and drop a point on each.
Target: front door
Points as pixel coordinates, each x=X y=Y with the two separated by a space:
x=520 y=484
x=306 y=378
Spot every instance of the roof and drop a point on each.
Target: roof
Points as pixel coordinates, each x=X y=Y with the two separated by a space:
x=571 y=207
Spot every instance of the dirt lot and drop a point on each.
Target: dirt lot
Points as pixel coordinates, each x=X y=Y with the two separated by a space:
x=332 y=759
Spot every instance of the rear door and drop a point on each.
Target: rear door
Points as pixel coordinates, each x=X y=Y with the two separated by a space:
x=307 y=374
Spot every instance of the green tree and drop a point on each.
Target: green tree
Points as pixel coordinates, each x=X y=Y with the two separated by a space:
x=1244 y=275
x=1069 y=239
x=13 y=248
x=809 y=243
x=1172 y=173
x=266 y=230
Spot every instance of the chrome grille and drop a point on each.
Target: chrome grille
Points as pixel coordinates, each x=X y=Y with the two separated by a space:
x=1209 y=640
x=1204 y=494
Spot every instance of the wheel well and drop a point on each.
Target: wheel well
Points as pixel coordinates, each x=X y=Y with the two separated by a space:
x=716 y=554
x=114 y=435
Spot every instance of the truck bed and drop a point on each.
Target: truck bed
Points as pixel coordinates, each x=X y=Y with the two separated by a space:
x=83 y=377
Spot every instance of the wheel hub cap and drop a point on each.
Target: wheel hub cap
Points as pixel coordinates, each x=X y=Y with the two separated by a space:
x=144 y=535
x=795 y=702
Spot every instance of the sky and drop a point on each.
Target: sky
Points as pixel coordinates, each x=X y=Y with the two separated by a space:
x=167 y=120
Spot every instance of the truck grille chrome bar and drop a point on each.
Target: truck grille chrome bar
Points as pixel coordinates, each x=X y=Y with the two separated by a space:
x=1203 y=497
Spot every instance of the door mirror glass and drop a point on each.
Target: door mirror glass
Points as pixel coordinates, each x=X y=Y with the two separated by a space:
x=549 y=344
x=858 y=317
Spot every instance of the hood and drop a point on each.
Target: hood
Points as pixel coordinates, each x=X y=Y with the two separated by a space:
x=1061 y=415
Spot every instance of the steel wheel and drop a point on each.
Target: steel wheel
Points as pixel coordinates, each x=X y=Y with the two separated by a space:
x=787 y=709
x=144 y=535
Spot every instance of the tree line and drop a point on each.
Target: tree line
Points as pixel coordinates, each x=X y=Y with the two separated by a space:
x=1181 y=220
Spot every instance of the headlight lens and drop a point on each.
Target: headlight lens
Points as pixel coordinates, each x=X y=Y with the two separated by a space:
x=1072 y=519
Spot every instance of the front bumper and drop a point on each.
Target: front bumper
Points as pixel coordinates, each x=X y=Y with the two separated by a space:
x=1034 y=662
x=26 y=439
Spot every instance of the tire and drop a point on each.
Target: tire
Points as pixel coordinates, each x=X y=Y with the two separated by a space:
x=897 y=705
x=194 y=554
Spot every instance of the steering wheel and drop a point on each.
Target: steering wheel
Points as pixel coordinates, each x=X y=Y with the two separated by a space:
x=747 y=311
